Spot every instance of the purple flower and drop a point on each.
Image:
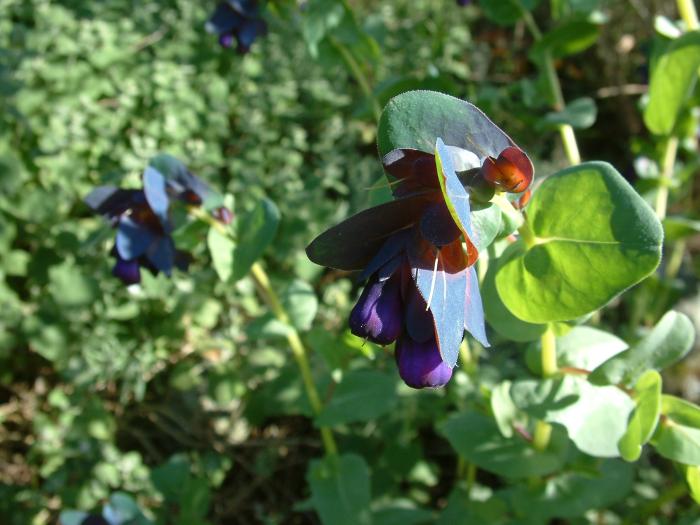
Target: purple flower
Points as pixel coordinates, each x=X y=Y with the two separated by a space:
x=143 y=220
x=420 y=363
x=237 y=20
x=94 y=520
x=463 y=3
x=378 y=314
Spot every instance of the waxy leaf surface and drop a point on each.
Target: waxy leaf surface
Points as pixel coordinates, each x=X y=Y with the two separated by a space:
x=595 y=237
x=678 y=435
x=670 y=340
x=645 y=417
x=417 y=118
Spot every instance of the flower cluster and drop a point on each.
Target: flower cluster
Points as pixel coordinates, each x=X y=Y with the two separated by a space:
x=237 y=20
x=417 y=254
x=142 y=218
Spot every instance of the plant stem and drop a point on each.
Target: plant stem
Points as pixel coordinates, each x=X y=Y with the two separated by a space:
x=568 y=137
x=669 y=161
x=359 y=75
x=298 y=350
x=549 y=352
x=687 y=10
x=543 y=430
x=527 y=235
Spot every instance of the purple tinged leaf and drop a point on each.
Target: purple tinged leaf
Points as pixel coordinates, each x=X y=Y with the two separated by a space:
x=224 y=20
x=437 y=225
x=133 y=239
x=441 y=279
x=474 y=309
x=353 y=243
x=156 y=195
x=456 y=197
x=389 y=250
x=111 y=201
x=161 y=254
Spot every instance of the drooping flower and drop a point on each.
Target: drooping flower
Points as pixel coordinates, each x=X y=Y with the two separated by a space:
x=237 y=20
x=143 y=219
x=417 y=254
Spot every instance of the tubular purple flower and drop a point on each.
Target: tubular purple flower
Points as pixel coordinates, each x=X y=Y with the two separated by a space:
x=127 y=271
x=378 y=314
x=420 y=364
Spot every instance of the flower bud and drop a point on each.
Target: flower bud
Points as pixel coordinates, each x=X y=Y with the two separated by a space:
x=377 y=316
x=127 y=271
x=420 y=364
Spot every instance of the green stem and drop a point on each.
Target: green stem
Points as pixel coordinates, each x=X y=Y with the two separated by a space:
x=359 y=75
x=687 y=10
x=298 y=350
x=568 y=137
x=527 y=235
x=549 y=352
x=669 y=161
x=543 y=430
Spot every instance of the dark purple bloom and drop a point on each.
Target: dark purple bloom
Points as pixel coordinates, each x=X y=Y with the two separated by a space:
x=463 y=3
x=143 y=220
x=420 y=363
x=94 y=520
x=378 y=314
x=237 y=20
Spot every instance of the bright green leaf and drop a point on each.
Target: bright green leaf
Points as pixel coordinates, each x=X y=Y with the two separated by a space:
x=571 y=37
x=645 y=417
x=595 y=237
x=580 y=114
x=672 y=81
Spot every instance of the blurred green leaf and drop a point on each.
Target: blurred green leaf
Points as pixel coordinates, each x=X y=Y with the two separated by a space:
x=569 y=38
x=486 y=225
x=670 y=340
x=678 y=227
x=340 y=490
x=580 y=114
x=362 y=395
x=71 y=287
x=645 y=416
x=506 y=12
x=595 y=237
x=255 y=231
x=678 y=434
x=477 y=439
x=672 y=81
x=222 y=249
x=300 y=302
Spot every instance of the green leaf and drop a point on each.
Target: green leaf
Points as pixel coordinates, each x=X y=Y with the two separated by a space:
x=301 y=303
x=595 y=237
x=692 y=476
x=477 y=439
x=670 y=340
x=319 y=17
x=461 y=509
x=255 y=231
x=678 y=227
x=71 y=287
x=72 y=517
x=595 y=417
x=645 y=417
x=506 y=12
x=672 y=81
x=363 y=395
x=417 y=118
x=582 y=347
x=402 y=512
x=340 y=490
x=221 y=248
x=580 y=114
x=571 y=37
x=574 y=493
x=678 y=434
x=497 y=315
x=504 y=410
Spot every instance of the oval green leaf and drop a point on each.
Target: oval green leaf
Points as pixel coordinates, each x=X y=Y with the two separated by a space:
x=595 y=237
x=645 y=417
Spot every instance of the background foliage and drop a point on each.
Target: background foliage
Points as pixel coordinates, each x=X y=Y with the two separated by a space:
x=181 y=395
